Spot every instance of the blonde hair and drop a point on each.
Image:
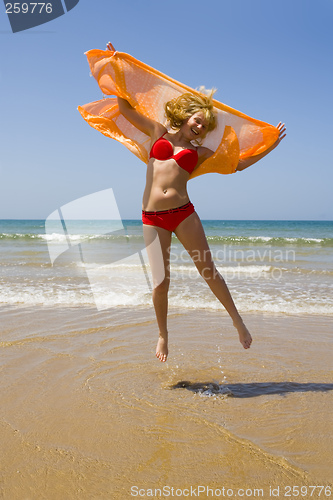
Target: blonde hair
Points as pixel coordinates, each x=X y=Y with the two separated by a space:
x=179 y=109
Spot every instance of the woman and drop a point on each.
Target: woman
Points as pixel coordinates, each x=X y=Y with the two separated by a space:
x=166 y=205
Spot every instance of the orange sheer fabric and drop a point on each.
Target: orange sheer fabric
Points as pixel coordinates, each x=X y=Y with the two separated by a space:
x=237 y=135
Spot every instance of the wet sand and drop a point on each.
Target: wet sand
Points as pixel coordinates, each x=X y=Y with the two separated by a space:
x=87 y=412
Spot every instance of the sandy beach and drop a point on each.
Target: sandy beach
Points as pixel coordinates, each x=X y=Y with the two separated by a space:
x=87 y=412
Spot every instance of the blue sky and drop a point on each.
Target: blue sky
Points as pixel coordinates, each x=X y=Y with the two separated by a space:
x=270 y=60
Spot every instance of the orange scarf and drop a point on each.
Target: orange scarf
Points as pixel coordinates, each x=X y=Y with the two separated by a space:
x=236 y=137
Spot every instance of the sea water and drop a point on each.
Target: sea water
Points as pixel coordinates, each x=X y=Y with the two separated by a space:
x=271 y=266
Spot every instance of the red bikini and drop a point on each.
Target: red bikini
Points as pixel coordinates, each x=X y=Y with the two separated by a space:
x=168 y=219
x=186 y=159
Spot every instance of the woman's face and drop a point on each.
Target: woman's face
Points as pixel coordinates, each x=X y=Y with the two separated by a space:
x=196 y=126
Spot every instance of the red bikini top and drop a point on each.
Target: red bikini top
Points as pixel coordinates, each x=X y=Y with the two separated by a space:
x=186 y=158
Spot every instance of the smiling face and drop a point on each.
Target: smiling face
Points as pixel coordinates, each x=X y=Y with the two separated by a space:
x=192 y=113
x=196 y=126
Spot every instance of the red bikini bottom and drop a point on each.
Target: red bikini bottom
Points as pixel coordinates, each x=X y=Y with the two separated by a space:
x=168 y=219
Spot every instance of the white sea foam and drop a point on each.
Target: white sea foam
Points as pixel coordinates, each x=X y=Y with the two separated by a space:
x=85 y=236
x=280 y=240
x=54 y=237
x=259 y=238
x=239 y=269
x=260 y=277
x=185 y=298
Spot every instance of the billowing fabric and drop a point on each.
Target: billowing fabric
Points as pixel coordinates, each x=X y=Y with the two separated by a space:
x=236 y=137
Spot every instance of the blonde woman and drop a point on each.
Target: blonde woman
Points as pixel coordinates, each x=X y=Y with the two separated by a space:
x=166 y=207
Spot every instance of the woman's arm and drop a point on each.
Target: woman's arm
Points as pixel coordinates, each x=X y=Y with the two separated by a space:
x=243 y=164
x=141 y=122
x=203 y=155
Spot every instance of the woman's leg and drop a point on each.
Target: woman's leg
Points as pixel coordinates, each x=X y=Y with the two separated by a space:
x=158 y=242
x=191 y=234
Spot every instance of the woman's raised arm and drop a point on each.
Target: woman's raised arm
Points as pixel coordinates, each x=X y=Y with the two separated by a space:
x=141 y=122
x=243 y=164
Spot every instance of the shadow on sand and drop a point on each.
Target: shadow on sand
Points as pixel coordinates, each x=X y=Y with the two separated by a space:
x=251 y=390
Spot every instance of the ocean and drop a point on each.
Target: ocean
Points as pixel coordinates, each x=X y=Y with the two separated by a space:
x=273 y=266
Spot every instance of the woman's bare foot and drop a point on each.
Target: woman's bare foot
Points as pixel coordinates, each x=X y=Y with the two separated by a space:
x=162 y=349
x=244 y=334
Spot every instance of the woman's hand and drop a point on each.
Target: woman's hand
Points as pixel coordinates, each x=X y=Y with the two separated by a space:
x=243 y=164
x=282 y=134
x=110 y=47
